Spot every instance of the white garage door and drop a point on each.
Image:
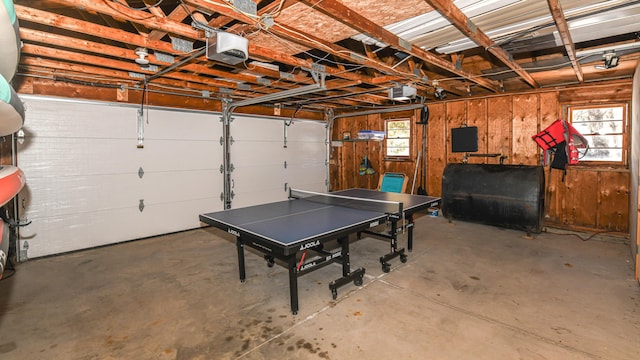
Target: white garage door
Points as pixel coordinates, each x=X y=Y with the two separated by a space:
x=263 y=168
x=89 y=185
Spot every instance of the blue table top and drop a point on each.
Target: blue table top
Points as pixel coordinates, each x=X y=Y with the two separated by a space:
x=298 y=221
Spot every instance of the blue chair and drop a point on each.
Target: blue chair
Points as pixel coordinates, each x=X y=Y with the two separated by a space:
x=392 y=182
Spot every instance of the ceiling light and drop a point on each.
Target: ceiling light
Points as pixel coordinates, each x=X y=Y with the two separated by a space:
x=142 y=56
x=611 y=60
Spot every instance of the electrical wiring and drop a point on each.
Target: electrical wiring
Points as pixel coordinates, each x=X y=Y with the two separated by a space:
x=580 y=237
x=548 y=67
x=124 y=3
x=110 y=3
x=350 y=67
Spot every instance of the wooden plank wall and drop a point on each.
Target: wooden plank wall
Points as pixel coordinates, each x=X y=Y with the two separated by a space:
x=587 y=198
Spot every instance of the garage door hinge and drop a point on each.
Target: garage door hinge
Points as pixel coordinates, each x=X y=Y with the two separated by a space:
x=140 y=172
x=23 y=251
x=141 y=205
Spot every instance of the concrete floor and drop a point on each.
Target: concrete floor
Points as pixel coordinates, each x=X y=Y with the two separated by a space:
x=468 y=291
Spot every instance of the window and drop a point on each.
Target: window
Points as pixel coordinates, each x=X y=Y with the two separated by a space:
x=398 y=138
x=604 y=129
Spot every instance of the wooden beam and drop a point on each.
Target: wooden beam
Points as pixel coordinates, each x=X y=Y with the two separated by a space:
x=447 y=9
x=120 y=36
x=347 y=16
x=36 y=50
x=48 y=39
x=565 y=34
x=188 y=32
x=299 y=37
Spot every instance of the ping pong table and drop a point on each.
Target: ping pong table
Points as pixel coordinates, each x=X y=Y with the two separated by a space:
x=287 y=230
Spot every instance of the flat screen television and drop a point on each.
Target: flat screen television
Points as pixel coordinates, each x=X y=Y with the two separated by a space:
x=464 y=139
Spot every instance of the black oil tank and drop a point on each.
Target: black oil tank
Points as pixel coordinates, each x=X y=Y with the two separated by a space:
x=510 y=196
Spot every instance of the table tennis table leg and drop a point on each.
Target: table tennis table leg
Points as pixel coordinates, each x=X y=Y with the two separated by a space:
x=395 y=252
x=240 y=247
x=293 y=283
x=347 y=275
x=409 y=232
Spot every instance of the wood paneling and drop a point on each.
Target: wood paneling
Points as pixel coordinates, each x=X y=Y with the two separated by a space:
x=524 y=125
x=436 y=148
x=477 y=116
x=456 y=116
x=613 y=192
x=585 y=198
x=499 y=114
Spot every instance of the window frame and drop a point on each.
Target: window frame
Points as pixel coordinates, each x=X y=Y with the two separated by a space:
x=387 y=156
x=625 y=131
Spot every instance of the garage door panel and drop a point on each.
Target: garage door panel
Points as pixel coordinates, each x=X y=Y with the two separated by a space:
x=259 y=176
x=244 y=128
x=83 y=184
x=161 y=124
x=115 y=191
x=259 y=153
x=64 y=233
x=81 y=119
x=307 y=131
x=73 y=156
x=256 y=153
x=254 y=196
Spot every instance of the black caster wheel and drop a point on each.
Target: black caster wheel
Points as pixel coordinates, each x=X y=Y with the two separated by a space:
x=386 y=268
x=334 y=293
x=270 y=260
x=403 y=258
x=357 y=281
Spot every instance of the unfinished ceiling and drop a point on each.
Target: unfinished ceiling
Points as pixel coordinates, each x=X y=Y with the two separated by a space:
x=345 y=54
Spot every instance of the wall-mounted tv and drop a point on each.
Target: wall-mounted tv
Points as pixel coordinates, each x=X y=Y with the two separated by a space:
x=464 y=139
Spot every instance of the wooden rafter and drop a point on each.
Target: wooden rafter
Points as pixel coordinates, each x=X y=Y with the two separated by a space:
x=347 y=16
x=452 y=13
x=299 y=37
x=563 y=29
x=259 y=52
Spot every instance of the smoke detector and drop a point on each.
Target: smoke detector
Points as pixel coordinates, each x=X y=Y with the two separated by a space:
x=142 y=56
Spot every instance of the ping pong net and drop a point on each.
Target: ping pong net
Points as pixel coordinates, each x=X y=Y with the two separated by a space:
x=379 y=206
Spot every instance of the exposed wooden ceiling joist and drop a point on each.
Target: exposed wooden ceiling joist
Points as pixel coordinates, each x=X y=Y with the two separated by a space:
x=563 y=29
x=340 y=12
x=291 y=42
x=447 y=9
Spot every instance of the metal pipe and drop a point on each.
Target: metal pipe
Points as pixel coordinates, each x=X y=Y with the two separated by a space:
x=279 y=95
x=174 y=65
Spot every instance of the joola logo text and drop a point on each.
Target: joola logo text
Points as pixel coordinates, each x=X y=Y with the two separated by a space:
x=308 y=265
x=233 y=232
x=309 y=245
